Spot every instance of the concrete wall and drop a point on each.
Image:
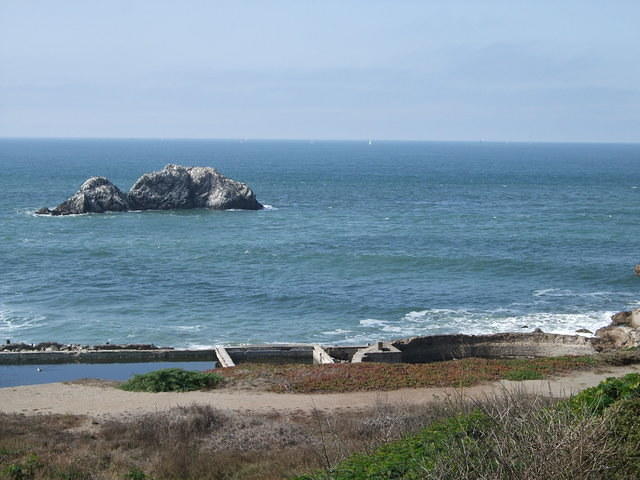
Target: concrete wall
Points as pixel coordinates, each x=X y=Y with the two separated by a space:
x=413 y=350
x=501 y=345
x=106 y=356
x=295 y=353
x=343 y=354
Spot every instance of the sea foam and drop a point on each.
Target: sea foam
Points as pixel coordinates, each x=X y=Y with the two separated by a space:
x=439 y=321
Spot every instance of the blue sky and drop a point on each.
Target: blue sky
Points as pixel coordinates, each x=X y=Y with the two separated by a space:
x=422 y=70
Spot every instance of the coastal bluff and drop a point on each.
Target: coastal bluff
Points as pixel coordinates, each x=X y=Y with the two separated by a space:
x=173 y=187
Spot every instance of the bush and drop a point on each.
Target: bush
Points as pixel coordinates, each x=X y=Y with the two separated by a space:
x=516 y=437
x=598 y=398
x=408 y=458
x=171 y=380
x=624 y=417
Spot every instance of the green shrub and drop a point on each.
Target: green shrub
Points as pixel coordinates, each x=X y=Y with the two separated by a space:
x=409 y=458
x=171 y=380
x=530 y=444
x=598 y=398
x=624 y=417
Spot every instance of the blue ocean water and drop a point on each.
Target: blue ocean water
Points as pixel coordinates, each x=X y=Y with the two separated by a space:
x=360 y=242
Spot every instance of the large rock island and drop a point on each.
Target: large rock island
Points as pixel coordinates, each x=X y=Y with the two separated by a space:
x=173 y=187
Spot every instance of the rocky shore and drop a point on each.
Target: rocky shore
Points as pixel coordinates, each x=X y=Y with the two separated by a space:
x=174 y=187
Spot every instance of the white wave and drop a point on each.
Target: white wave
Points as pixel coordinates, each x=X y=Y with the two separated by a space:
x=337 y=331
x=505 y=320
x=188 y=328
x=450 y=321
x=12 y=322
x=198 y=346
x=372 y=322
x=360 y=340
x=269 y=207
x=551 y=292
x=419 y=316
x=558 y=292
x=28 y=212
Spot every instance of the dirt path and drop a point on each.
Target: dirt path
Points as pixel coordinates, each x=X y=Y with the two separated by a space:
x=99 y=400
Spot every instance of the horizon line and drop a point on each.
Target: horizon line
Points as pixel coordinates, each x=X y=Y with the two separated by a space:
x=312 y=140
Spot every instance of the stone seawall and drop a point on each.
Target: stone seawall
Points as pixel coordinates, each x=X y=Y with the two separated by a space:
x=411 y=350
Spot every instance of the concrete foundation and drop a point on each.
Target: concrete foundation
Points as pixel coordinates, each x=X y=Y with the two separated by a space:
x=383 y=352
x=500 y=345
x=284 y=353
x=107 y=356
x=412 y=350
x=343 y=354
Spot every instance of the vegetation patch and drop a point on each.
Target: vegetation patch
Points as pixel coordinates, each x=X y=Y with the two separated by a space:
x=524 y=374
x=624 y=432
x=198 y=442
x=411 y=457
x=508 y=435
x=597 y=438
x=347 y=377
x=171 y=380
x=598 y=398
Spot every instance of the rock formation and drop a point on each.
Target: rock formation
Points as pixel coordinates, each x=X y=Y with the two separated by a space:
x=622 y=332
x=96 y=194
x=174 y=187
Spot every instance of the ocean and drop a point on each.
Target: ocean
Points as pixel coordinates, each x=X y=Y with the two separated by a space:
x=359 y=242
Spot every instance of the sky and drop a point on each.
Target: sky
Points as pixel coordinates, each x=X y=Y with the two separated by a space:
x=399 y=70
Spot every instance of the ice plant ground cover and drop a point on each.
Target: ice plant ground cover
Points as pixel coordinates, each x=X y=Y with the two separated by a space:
x=346 y=377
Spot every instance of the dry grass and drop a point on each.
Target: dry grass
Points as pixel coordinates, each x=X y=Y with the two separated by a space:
x=525 y=438
x=198 y=442
x=345 y=377
x=515 y=436
x=527 y=441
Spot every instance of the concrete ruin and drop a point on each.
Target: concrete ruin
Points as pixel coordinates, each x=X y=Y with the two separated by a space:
x=499 y=345
x=412 y=350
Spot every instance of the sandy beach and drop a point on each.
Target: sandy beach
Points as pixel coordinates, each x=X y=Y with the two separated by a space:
x=102 y=399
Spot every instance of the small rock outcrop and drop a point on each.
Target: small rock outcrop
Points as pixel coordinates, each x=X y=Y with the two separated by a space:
x=622 y=332
x=174 y=187
x=636 y=269
x=97 y=195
